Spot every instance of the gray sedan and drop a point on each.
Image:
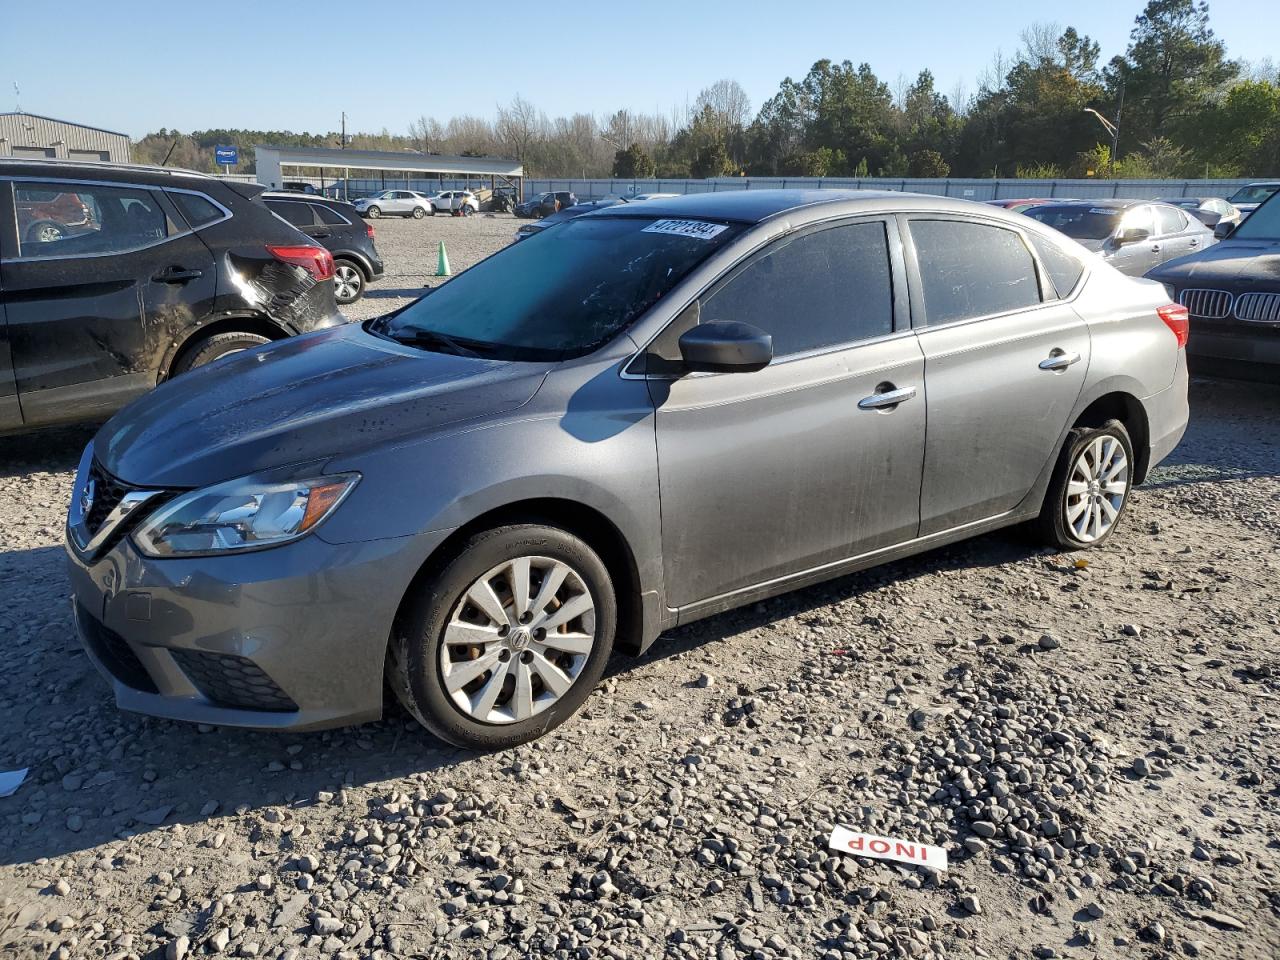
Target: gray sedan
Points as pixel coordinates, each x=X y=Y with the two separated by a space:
x=1133 y=236
x=646 y=415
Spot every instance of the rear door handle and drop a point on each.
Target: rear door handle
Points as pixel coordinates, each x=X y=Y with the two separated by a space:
x=1059 y=360
x=886 y=397
x=321 y=234
x=177 y=275
x=1155 y=248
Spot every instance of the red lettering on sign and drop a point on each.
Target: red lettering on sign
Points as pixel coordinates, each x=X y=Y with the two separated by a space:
x=882 y=848
x=855 y=843
x=907 y=850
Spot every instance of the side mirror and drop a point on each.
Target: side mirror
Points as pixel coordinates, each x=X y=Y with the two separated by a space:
x=1132 y=235
x=725 y=346
x=1222 y=229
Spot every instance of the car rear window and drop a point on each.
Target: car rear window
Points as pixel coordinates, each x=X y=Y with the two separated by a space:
x=197 y=210
x=1079 y=222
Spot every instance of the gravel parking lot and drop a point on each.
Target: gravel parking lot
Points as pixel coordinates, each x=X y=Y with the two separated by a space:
x=1093 y=736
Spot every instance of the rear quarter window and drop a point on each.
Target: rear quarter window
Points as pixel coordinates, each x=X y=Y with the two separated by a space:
x=1064 y=270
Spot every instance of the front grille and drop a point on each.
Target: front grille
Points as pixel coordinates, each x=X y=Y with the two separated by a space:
x=231 y=681
x=1207 y=304
x=1264 y=307
x=113 y=652
x=107 y=494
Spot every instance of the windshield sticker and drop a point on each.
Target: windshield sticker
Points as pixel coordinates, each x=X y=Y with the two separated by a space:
x=686 y=228
x=1105 y=211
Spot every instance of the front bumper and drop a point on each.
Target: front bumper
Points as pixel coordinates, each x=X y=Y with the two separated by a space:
x=291 y=638
x=1227 y=342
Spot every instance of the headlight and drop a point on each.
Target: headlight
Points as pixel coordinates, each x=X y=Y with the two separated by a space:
x=251 y=513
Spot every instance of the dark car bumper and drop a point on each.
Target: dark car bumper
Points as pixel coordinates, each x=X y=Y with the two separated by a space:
x=1228 y=348
x=291 y=638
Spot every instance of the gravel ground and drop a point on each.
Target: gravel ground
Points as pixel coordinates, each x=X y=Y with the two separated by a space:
x=1093 y=737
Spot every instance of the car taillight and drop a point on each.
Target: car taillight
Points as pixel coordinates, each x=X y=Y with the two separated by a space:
x=317 y=261
x=368 y=228
x=1177 y=318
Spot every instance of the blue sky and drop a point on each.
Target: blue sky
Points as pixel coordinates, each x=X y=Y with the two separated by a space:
x=135 y=66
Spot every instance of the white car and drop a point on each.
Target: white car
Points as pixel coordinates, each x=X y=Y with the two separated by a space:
x=449 y=200
x=395 y=203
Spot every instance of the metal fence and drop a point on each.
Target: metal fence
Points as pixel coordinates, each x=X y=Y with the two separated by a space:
x=965 y=189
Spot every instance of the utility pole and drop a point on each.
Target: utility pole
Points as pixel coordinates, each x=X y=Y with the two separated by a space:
x=343 y=144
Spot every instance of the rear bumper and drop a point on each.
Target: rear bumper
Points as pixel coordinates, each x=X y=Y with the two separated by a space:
x=1167 y=415
x=292 y=638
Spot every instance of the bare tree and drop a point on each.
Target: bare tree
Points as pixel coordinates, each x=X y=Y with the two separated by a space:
x=520 y=125
x=426 y=132
x=729 y=104
x=1040 y=43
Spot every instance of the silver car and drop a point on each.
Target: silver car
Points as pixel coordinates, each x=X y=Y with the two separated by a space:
x=645 y=415
x=395 y=203
x=1134 y=236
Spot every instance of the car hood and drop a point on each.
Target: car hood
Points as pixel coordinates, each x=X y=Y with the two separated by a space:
x=299 y=400
x=1238 y=263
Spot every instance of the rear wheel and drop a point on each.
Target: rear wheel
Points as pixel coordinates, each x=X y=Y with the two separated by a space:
x=507 y=641
x=373 y=213
x=348 y=281
x=466 y=210
x=45 y=231
x=214 y=348
x=418 y=213
x=1089 y=489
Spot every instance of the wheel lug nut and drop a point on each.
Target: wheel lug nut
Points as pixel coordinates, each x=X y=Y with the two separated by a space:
x=526 y=617
x=504 y=656
x=503 y=630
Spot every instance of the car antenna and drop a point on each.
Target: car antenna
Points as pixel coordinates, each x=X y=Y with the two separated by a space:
x=173 y=146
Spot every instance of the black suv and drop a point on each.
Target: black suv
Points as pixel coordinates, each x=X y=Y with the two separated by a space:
x=545 y=204
x=115 y=277
x=340 y=229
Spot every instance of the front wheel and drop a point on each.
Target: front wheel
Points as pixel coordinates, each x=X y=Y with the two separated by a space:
x=467 y=211
x=45 y=231
x=418 y=213
x=373 y=213
x=507 y=640
x=1089 y=489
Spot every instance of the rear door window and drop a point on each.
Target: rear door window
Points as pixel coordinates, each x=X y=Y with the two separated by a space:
x=1064 y=270
x=299 y=214
x=813 y=292
x=972 y=270
x=1170 y=220
x=329 y=215
x=77 y=219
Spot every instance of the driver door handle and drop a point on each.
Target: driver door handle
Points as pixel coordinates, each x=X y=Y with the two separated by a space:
x=884 y=399
x=1059 y=360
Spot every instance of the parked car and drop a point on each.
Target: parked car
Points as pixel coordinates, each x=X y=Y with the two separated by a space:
x=395 y=203
x=174 y=270
x=527 y=230
x=1248 y=198
x=1018 y=206
x=1210 y=211
x=53 y=215
x=648 y=414
x=1232 y=292
x=449 y=200
x=299 y=186
x=338 y=228
x=503 y=200
x=1131 y=235
x=636 y=198
x=545 y=204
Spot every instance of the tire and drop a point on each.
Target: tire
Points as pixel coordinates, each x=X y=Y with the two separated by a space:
x=418 y=213
x=1081 y=512
x=214 y=348
x=466 y=210
x=373 y=213
x=432 y=212
x=45 y=231
x=348 y=281
x=419 y=660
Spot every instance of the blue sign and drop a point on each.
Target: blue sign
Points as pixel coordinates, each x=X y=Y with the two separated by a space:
x=226 y=156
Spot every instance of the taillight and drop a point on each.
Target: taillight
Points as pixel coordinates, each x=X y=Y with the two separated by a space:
x=317 y=261
x=368 y=228
x=1178 y=319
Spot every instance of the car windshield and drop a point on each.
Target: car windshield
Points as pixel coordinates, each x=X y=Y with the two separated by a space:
x=1262 y=224
x=561 y=293
x=1253 y=194
x=1077 y=222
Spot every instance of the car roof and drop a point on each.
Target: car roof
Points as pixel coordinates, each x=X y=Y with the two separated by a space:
x=301 y=197
x=98 y=170
x=1109 y=202
x=755 y=206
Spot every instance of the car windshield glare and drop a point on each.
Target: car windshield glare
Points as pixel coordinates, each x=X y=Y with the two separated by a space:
x=1079 y=223
x=1262 y=224
x=561 y=293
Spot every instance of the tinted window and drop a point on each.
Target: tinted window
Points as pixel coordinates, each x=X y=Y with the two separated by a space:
x=561 y=292
x=198 y=210
x=817 y=290
x=1139 y=218
x=1170 y=220
x=971 y=270
x=1063 y=269
x=299 y=214
x=1077 y=221
x=54 y=221
x=329 y=215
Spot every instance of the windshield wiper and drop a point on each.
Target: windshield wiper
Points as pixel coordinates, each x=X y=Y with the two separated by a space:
x=431 y=338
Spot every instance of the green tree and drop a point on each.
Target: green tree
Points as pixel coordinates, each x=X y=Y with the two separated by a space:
x=633 y=163
x=928 y=164
x=1240 y=135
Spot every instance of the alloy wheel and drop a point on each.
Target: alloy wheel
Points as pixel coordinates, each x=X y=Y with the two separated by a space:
x=1096 y=489
x=347 y=282
x=517 y=640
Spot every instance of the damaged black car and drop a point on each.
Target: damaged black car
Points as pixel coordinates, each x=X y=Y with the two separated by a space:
x=114 y=278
